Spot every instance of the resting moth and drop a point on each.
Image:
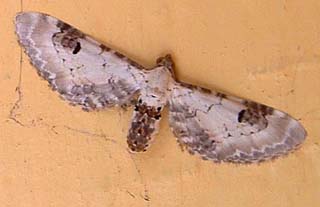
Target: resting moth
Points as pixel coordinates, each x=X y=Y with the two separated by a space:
x=213 y=125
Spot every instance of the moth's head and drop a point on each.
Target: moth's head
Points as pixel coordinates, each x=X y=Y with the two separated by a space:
x=167 y=62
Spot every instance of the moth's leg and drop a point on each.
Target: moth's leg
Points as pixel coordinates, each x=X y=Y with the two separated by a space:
x=144 y=125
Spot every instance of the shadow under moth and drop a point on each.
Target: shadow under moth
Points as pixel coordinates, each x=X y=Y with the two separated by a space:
x=216 y=126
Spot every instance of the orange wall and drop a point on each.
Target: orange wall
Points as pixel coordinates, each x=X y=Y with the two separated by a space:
x=52 y=154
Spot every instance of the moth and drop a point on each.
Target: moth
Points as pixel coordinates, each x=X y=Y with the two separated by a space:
x=214 y=125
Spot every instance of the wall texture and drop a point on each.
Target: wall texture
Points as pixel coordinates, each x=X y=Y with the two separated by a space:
x=52 y=154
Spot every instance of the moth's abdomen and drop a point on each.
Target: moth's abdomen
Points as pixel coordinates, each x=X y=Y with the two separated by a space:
x=143 y=126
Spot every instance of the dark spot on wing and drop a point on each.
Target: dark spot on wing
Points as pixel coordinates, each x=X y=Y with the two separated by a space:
x=88 y=102
x=193 y=87
x=119 y=55
x=259 y=108
x=104 y=48
x=77 y=48
x=130 y=62
x=63 y=26
x=255 y=114
x=221 y=95
x=240 y=115
x=205 y=90
x=187 y=85
x=135 y=64
x=68 y=40
x=82 y=89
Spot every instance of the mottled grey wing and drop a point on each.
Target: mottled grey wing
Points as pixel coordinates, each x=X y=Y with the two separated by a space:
x=82 y=70
x=225 y=128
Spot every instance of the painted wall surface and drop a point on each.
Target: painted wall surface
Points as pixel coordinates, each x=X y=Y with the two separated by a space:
x=53 y=154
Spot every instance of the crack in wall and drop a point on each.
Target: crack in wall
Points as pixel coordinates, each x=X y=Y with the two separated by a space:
x=13 y=111
x=91 y=134
x=145 y=194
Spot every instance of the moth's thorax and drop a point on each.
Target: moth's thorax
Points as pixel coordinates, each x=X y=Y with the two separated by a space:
x=147 y=113
x=157 y=82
